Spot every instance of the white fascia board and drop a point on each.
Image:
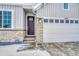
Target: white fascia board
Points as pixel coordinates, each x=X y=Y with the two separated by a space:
x=37 y=6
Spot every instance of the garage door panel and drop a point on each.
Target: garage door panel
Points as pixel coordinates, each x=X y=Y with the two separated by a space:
x=61 y=35
x=61 y=38
x=57 y=32
x=61 y=31
x=61 y=26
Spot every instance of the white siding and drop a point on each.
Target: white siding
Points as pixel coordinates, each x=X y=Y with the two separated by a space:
x=57 y=10
x=17 y=15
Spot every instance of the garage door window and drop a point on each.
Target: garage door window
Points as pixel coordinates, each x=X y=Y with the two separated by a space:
x=76 y=21
x=61 y=21
x=45 y=20
x=56 y=21
x=67 y=21
x=71 y=21
x=51 y=20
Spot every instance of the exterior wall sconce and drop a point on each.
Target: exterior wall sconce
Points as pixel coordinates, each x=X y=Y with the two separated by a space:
x=40 y=20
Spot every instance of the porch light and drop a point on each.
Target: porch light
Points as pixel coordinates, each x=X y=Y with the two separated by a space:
x=40 y=20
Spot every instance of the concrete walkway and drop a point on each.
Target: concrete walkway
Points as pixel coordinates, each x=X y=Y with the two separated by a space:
x=11 y=50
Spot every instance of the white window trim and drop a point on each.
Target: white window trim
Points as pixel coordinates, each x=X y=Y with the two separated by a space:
x=12 y=11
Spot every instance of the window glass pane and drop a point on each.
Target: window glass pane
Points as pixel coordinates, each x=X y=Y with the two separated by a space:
x=0 y=13
x=9 y=13
x=7 y=19
x=0 y=23
x=51 y=20
x=56 y=21
x=9 y=25
x=45 y=20
x=62 y=21
x=5 y=25
x=0 y=19
x=71 y=21
x=76 y=21
x=67 y=21
x=65 y=5
x=5 y=13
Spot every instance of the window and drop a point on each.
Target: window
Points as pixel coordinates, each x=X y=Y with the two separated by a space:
x=5 y=19
x=67 y=21
x=62 y=21
x=51 y=20
x=45 y=20
x=71 y=21
x=56 y=21
x=76 y=21
x=0 y=19
x=65 y=5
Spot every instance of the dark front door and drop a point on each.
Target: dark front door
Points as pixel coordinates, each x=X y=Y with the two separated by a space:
x=30 y=25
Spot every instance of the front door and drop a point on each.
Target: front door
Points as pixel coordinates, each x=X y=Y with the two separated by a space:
x=30 y=25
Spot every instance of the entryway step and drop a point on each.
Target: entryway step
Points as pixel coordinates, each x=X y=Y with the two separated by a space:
x=29 y=41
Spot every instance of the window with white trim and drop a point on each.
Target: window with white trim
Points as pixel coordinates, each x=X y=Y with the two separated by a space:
x=5 y=19
x=65 y=5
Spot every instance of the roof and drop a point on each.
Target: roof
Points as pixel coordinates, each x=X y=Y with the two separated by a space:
x=33 y=6
x=20 y=4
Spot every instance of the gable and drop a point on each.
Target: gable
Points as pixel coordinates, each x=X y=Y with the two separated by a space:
x=57 y=10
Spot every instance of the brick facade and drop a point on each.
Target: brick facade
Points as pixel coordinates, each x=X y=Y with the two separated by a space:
x=11 y=36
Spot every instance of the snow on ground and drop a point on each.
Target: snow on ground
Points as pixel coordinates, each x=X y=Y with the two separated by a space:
x=55 y=49
x=11 y=50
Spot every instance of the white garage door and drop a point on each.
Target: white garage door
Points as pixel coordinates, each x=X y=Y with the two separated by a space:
x=60 y=30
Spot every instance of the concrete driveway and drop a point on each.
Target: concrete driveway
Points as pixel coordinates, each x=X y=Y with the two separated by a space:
x=11 y=50
x=63 y=48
